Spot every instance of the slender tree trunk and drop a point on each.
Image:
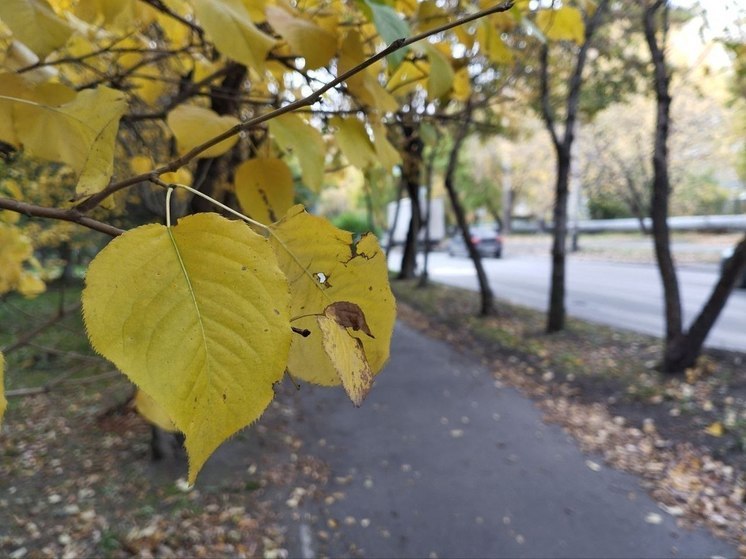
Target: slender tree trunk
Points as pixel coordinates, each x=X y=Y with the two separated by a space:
x=395 y=222
x=412 y=171
x=429 y=186
x=487 y=306
x=563 y=149
x=681 y=349
x=683 y=352
x=661 y=183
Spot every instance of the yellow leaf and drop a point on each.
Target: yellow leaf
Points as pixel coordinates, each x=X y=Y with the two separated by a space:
x=30 y=285
x=264 y=187
x=148 y=84
x=141 y=164
x=461 y=85
x=363 y=85
x=153 y=412
x=71 y=132
x=430 y=16
x=407 y=77
x=440 y=80
x=196 y=316
x=315 y=44
x=15 y=251
x=354 y=142
x=257 y=9
x=3 y=401
x=347 y=354
x=715 y=429
x=229 y=25
x=295 y=136
x=387 y=154
x=34 y=23
x=563 y=24
x=492 y=45
x=324 y=266
x=193 y=126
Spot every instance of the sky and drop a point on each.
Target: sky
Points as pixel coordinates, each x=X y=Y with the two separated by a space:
x=720 y=14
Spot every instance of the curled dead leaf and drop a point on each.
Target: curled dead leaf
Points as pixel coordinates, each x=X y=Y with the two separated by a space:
x=348 y=315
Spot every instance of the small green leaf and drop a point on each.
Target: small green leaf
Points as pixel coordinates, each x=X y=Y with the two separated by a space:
x=389 y=25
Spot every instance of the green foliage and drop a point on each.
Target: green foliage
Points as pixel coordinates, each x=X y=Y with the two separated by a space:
x=354 y=222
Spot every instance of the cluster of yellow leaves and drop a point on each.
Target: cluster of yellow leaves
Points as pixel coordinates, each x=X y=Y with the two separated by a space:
x=200 y=317
x=19 y=270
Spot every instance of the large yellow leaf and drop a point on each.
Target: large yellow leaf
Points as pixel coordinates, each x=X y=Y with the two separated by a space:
x=264 y=187
x=197 y=316
x=52 y=122
x=563 y=24
x=193 y=126
x=294 y=135
x=354 y=142
x=407 y=76
x=492 y=45
x=34 y=23
x=3 y=401
x=229 y=25
x=325 y=265
x=314 y=43
x=153 y=412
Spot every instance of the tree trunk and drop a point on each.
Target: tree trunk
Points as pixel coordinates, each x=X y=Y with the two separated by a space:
x=556 y=315
x=487 y=305
x=429 y=186
x=682 y=352
x=563 y=150
x=411 y=172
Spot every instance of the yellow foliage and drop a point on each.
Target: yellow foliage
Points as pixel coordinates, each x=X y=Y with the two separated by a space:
x=440 y=80
x=229 y=26
x=330 y=269
x=315 y=44
x=34 y=23
x=563 y=24
x=354 y=142
x=16 y=251
x=193 y=125
x=264 y=188
x=196 y=316
x=295 y=136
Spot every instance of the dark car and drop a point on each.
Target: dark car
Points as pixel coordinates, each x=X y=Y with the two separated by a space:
x=485 y=238
x=727 y=254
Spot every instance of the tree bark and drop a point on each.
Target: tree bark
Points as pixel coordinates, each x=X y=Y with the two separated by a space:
x=411 y=172
x=487 y=299
x=661 y=183
x=681 y=349
x=563 y=149
x=424 y=276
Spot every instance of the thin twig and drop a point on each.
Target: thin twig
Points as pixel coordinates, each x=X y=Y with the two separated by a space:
x=26 y=338
x=73 y=215
x=63 y=380
x=309 y=100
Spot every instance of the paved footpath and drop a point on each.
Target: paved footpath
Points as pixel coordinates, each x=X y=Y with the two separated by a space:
x=439 y=462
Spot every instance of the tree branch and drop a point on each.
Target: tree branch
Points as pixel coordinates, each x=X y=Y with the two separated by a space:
x=72 y=215
x=179 y=162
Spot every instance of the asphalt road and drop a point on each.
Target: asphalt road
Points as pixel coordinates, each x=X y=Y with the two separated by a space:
x=440 y=461
x=622 y=295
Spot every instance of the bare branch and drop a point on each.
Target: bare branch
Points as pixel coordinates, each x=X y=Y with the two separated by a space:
x=72 y=215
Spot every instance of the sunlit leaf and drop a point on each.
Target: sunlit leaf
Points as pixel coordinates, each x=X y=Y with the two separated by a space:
x=295 y=136
x=354 y=142
x=229 y=26
x=197 y=316
x=314 y=43
x=492 y=45
x=49 y=125
x=563 y=24
x=264 y=188
x=407 y=77
x=193 y=125
x=715 y=429
x=34 y=23
x=325 y=265
x=363 y=85
x=153 y=412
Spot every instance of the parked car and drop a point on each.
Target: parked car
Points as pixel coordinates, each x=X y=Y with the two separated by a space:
x=485 y=238
x=727 y=254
